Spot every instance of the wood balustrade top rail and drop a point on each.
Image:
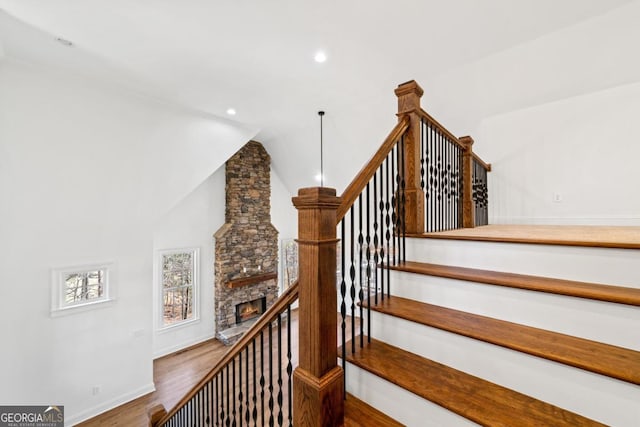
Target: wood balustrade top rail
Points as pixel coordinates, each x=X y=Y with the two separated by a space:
x=359 y=183
x=287 y=298
x=486 y=166
x=441 y=128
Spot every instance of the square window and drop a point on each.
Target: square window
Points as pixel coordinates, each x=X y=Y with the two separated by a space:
x=78 y=287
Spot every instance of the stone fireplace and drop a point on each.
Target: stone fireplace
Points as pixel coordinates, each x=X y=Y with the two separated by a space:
x=246 y=246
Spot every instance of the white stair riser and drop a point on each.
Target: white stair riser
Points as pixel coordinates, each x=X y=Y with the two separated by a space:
x=594 y=396
x=615 y=324
x=398 y=403
x=597 y=265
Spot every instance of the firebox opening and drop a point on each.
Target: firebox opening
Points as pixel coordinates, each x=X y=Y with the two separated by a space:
x=250 y=309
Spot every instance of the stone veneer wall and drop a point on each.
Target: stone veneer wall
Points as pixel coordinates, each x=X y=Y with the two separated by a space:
x=247 y=244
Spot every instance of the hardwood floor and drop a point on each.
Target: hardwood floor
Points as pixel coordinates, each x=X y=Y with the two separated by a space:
x=174 y=375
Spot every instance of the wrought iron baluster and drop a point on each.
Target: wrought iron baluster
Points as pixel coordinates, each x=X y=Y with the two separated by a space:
x=376 y=247
x=404 y=203
x=290 y=368
x=352 y=275
x=360 y=278
x=279 y=397
x=247 y=411
x=270 y=376
x=262 y=379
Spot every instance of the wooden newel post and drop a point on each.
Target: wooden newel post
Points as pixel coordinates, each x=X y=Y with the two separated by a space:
x=468 y=211
x=155 y=414
x=409 y=95
x=318 y=390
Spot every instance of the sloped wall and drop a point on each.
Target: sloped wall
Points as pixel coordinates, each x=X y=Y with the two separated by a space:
x=86 y=169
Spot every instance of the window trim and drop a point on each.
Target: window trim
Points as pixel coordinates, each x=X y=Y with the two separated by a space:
x=58 y=289
x=161 y=327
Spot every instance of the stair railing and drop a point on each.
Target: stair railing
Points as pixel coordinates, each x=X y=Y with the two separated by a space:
x=371 y=229
x=421 y=179
x=251 y=384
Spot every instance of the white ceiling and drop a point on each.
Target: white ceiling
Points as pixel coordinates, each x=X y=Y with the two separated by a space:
x=257 y=57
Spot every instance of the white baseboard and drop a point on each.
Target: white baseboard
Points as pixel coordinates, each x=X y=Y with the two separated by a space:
x=184 y=344
x=108 y=405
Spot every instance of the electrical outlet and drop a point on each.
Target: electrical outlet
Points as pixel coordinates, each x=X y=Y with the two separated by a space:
x=557 y=197
x=95 y=390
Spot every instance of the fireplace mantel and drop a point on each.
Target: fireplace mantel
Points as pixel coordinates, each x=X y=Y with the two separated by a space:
x=244 y=281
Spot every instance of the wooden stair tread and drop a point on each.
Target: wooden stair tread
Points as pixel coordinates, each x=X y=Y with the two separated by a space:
x=359 y=414
x=620 y=237
x=609 y=293
x=476 y=399
x=612 y=361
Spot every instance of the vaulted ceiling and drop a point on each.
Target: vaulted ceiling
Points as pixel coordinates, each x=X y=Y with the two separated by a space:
x=257 y=57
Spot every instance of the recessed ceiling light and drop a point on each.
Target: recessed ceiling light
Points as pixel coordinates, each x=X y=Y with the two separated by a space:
x=64 y=42
x=231 y=111
x=320 y=57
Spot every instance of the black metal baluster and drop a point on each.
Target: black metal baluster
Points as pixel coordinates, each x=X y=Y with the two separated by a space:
x=216 y=392
x=368 y=261
x=441 y=182
x=232 y=396
x=280 y=398
x=404 y=204
x=448 y=178
x=381 y=241
x=432 y=179
x=422 y=149
x=262 y=380
x=360 y=278
x=240 y=396
x=376 y=243
x=343 y=303
x=228 y=397
x=343 y=294
x=254 y=398
x=247 y=404
x=207 y=419
x=223 y=397
x=352 y=275
x=388 y=223
x=290 y=368
x=270 y=376
x=394 y=206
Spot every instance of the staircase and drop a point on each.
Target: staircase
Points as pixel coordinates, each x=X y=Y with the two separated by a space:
x=443 y=319
x=486 y=344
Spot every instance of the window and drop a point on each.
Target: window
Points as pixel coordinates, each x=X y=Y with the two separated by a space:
x=77 y=287
x=178 y=280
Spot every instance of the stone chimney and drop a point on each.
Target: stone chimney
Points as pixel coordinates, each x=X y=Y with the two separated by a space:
x=246 y=246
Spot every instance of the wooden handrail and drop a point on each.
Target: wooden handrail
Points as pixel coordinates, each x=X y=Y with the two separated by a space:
x=287 y=298
x=358 y=184
x=441 y=128
x=486 y=166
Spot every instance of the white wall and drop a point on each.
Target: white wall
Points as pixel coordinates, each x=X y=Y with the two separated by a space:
x=192 y=223
x=584 y=149
x=557 y=114
x=86 y=168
